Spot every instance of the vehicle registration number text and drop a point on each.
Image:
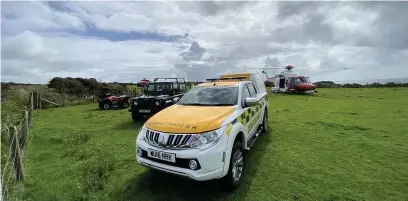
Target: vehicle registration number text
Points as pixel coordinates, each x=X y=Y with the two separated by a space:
x=162 y=155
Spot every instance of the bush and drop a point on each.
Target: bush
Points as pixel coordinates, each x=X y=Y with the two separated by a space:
x=74 y=85
x=81 y=86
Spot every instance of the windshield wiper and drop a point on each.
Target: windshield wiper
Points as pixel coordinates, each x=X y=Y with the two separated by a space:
x=221 y=104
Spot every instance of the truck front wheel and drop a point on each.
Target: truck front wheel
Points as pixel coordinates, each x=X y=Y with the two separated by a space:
x=236 y=168
x=265 y=122
x=137 y=116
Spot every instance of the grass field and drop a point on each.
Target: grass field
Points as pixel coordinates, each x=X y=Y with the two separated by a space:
x=341 y=144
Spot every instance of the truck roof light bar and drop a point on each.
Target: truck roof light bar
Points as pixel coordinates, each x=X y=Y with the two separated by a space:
x=171 y=78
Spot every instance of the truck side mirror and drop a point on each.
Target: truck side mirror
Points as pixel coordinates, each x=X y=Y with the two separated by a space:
x=249 y=102
x=175 y=100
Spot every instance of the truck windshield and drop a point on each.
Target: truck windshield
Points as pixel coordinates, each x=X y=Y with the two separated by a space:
x=158 y=87
x=211 y=96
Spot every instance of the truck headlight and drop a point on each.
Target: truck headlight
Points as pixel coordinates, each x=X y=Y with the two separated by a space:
x=135 y=103
x=141 y=134
x=205 y=140
x=157 y=103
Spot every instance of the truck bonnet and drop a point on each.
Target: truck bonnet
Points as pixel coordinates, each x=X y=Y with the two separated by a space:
x=182 y=119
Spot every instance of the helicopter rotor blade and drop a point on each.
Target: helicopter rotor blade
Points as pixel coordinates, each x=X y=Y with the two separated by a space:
x=264 y=68
x=331 y=69
x=272 y=68
x=254 y=68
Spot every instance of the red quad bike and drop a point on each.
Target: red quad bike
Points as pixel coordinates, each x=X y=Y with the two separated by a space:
x=110 y=101
x=143 y=83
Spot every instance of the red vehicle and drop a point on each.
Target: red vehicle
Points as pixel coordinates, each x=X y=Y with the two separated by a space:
x=108 y=101
x=143 y=83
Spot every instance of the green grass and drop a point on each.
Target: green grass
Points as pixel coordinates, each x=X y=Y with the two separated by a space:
x=341 y=144
x=132 y=86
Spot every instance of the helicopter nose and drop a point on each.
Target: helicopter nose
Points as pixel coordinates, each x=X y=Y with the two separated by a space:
x=305 y=87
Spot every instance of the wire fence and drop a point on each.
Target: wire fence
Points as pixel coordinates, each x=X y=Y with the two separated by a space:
x=14 y=146
x=14 y=141
x=15 y=135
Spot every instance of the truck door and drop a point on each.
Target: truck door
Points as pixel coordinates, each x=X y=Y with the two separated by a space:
x=254 y=111
x=245 y=94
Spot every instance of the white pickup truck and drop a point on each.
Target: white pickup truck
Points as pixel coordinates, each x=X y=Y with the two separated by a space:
x=205 y=135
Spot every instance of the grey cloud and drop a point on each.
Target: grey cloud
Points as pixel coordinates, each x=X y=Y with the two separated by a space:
x=314 y=29
x=389 y=31
x=34 y=15
x=67 y=66
x=222 y=43
x=213 y=7
x=200 y=72
x=273 y=62
x=393 y=24
x=193 y=71
x=20 y=71
x=290 y=8
x=195 y=52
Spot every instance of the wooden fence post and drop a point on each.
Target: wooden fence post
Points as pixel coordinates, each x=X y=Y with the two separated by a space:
x=93 y=97
x=34 y=100
x=15 y=153
x=31 y=101
x=63 y=100
x=30 y=118
x=39 y=101
x=24 y=129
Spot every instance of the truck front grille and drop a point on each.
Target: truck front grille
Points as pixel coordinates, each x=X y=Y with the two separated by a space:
x=168 y=140
x=146 y=103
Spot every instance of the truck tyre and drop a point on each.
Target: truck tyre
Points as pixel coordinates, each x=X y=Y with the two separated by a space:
x=265 y=122
x=137 y=116
x=236 y=168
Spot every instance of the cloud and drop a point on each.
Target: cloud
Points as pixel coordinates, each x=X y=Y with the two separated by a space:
x=21 y=16
x=128 y=41
x=102 y=59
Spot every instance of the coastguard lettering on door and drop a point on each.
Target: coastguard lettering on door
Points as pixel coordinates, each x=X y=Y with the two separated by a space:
x=193 y=127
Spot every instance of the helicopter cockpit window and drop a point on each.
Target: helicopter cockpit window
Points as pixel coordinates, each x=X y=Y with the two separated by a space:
x=291 y=81
x=305 y=80
x=298 y=80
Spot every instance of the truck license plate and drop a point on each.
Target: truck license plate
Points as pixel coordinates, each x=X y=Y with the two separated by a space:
x=144 y=111
x=162 y=155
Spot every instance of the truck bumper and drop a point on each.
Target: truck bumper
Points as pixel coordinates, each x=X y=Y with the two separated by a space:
x=210 y=161
x=154 y=110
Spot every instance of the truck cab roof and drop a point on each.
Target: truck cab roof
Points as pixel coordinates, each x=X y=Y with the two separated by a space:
x=237 y=78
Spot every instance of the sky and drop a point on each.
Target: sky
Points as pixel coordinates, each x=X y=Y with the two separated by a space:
x=127 y=41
